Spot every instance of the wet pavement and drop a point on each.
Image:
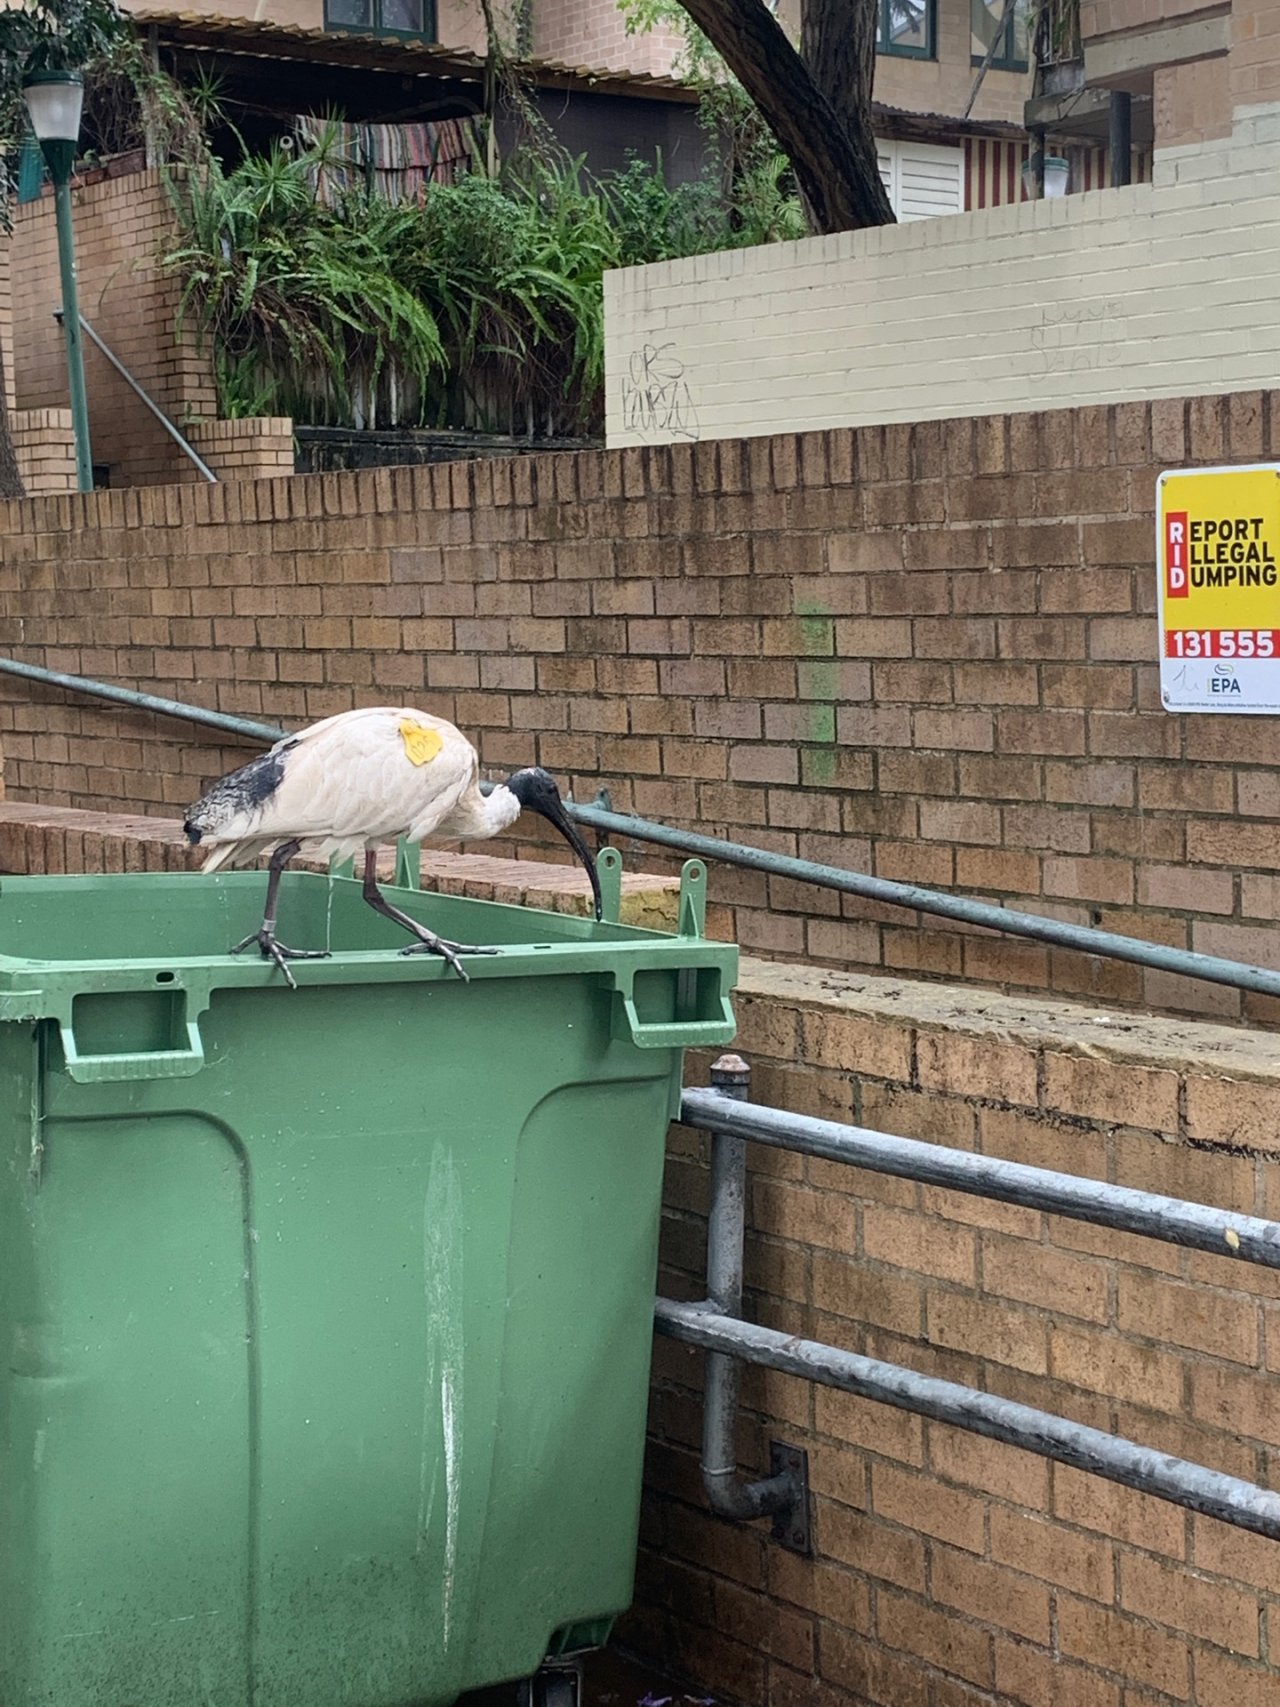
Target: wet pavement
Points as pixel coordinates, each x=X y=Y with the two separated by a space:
x=611 y=1680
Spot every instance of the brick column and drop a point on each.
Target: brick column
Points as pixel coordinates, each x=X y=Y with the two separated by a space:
x=44 y=440
x=253 y=449
x=1255 y=54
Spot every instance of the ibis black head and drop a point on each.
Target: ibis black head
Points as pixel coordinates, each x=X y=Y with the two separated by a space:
x=536 y=791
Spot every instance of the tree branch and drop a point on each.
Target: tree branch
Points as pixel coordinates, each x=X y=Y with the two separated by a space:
x=832 y=152
x=992 y=45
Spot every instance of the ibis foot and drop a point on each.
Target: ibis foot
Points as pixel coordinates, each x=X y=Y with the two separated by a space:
x=270 y=949
x=428 y=942
x=432 y=944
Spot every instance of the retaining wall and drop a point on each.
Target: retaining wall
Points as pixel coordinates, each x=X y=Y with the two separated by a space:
x=927 y=652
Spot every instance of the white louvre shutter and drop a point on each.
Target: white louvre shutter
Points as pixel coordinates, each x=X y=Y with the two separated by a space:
x=930 y=180
x=886 y=160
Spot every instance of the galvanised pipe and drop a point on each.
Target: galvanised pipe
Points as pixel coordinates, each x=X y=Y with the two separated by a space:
x=144 y=701
x=1221 y=1232
x=727 y=1495
x=986 y=914
x=1082 y=938
x=1226 y=1498
x=202 y=466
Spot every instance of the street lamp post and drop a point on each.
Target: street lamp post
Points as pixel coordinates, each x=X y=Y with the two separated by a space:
x=53 y=100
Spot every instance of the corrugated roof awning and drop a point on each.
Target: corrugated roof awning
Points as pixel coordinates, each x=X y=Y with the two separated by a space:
x=266 y=39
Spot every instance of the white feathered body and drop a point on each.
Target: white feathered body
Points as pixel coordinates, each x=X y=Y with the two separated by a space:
x=351 y=782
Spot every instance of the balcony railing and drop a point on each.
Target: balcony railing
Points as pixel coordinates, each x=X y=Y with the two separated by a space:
x=1057 y=32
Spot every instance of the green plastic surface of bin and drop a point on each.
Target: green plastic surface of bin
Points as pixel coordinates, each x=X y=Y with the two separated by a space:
x=327 y=1314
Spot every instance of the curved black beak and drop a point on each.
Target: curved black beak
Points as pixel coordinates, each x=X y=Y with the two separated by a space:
x=555 y=814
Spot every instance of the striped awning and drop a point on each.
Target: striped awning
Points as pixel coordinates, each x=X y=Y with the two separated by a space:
x=993 y=169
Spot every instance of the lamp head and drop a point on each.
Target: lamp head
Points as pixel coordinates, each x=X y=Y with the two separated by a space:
x=54 y=100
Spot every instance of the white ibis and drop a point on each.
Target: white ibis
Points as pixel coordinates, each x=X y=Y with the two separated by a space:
x=356 y=781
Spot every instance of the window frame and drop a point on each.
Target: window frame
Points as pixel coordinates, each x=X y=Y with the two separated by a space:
x=884 y=40
x=1001 y=61
x=428 y=33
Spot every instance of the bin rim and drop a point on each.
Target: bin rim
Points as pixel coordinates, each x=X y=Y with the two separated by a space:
x=35 y=988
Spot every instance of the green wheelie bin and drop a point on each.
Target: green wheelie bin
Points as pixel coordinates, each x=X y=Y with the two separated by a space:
x=326 y=1313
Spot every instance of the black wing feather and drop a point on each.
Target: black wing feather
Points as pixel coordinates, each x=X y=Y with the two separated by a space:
x=250 y=786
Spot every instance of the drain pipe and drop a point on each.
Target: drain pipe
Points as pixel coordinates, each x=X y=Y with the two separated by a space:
x=784 y=1495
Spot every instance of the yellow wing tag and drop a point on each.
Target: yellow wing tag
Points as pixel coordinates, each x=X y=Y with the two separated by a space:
x=420 y=744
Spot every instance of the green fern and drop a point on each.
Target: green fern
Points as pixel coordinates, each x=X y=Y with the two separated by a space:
x=479 y=305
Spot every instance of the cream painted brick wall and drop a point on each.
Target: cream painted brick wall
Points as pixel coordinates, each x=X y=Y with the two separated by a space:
x=1107 y=297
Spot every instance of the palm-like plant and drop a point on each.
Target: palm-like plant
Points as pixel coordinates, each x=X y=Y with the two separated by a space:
x=297 y=297
x=478 y=305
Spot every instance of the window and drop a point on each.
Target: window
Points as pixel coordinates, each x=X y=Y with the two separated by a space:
x=906 y=27
x=921 y=179
x=416 y=18
x=985 y=25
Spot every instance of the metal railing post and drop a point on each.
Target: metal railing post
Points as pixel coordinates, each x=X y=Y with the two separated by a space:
x=784 y=1495
x=70 y=317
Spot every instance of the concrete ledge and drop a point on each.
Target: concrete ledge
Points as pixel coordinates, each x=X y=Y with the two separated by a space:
x=1192 y=1084
x=1021 y=1022
x=1137 y=55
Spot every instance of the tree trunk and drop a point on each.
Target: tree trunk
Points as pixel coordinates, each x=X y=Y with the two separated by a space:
x=829 y=145
x=838 y=45
x=10 y=480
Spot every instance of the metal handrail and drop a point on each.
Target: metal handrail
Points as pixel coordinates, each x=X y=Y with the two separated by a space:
x=201 y=465
x=1124 y=1209
x=137 y=701
x=987 y=915
x=1195 y=1487
x=716 y=1326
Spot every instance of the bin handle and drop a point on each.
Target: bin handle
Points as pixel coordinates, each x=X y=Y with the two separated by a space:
x=679 y=1033
x=145 y=1064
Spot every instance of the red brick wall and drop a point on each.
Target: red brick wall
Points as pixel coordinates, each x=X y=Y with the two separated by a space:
x=120 y=226
x=594 y=33
x=257 y=448
x=923 y=651
x=1255 y=54
x=951 y=1571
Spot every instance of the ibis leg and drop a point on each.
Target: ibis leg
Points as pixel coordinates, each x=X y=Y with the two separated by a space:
x=265 y=936
x=428 y=942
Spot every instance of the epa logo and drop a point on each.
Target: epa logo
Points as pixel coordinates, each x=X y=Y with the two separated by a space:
x=1224 y=680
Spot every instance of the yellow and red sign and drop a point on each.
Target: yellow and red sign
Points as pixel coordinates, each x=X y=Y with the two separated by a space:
x=1218 y=547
